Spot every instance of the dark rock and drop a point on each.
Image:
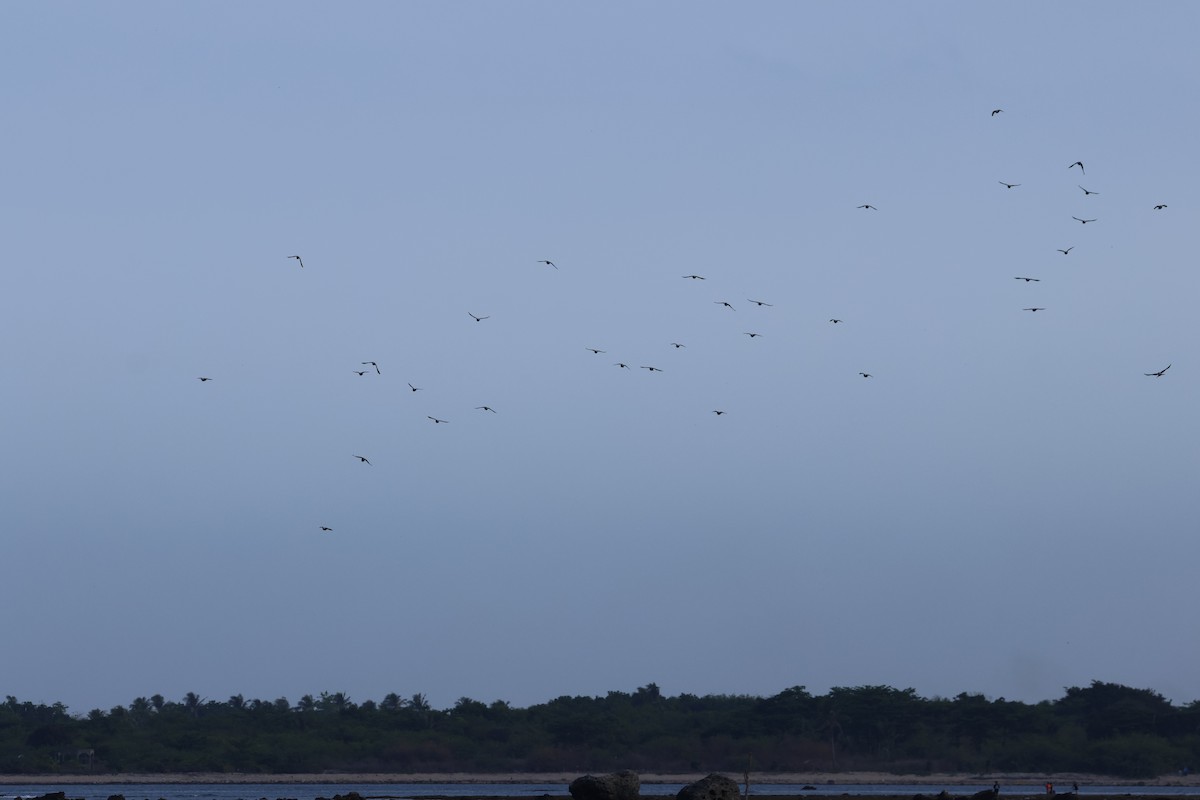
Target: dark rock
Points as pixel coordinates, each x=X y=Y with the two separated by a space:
x=623 y=785
x=713 y=787
x=116 y=797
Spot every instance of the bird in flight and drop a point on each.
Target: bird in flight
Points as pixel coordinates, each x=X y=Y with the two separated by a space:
x=653 y=369
x=677 y=345
x=1160 y=207
x=1033 y=309
x=619 y=364
x=868 y=205
x=1080 y=165
x=759 y=303
x=1067 y=251
x=751 y=335
x=360 y=372
x=486 y=408
x=1084 y=221
x=1086 y=192
x=594 y=350
x=835 y=321
x=373 y=364
x=1158 y=374
x=1027 y=280
x=437 y=421
x=477 y=319
x=1008 y=185
x=298 y=258
x=202 y=380
x=694 y=277
x=550 y=263
x=865 y=374
x=326 y=528
x=723 y=303
x=414 y=388
x=996 y=111
x=363 y=459
x=718 y=413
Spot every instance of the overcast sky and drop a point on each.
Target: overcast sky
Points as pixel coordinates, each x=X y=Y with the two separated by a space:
x=1008 y=505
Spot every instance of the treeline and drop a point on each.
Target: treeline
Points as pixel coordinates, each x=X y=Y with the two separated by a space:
x=1104 y=728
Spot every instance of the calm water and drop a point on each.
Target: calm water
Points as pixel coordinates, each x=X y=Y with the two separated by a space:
x=310 y=791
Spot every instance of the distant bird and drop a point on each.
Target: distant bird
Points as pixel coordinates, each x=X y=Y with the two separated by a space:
x=1084 y=221
x=359 y=372
x=1086 y=192
x=202 y=380
x=677 y=345
x=414 y=388
x=653 y=369
x=619 y=364
x=1158 y=374
x=1080 y=165
x=759 y=303
x=868 y=205
x=1008 y=185
x=996 y=111
x=723 y=303
x=298 y=258
x=373 y=364
x=694 y=277
x=477 y=319
x=363 y=459
x=751 y=335
x=594 y=350
x=1067 y=251
x=436 y=421
x=1033 y=309
x=1160 y=207
x=551 y=263
x=865 y=374
x=326 y=528
x=835 y=321
x=1027 y=280
x=718 y=413
x=486 y=408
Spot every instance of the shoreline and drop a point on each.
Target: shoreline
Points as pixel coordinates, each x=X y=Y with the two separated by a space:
x=814 y=778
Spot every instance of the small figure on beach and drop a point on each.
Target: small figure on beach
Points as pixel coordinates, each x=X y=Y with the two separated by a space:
x=1049 y=785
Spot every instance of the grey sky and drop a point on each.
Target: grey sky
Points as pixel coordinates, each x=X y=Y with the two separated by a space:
x=1008 y=505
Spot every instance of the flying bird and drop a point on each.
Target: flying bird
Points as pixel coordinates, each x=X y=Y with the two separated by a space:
x=551 y=263
x=414 y=388
x=868 y=205
x=1158 y=374
x=363 y=459
x=996 y=111
x=1067 y=251
x=694 y=277
x=1086 y=192
x=619 y=364
x=751 y=335
x=723 y=303
x=1027 y=280
x=759 y=303
x=373 y=364
x=677 y=345
x=477 y=319
x=1033 y=309
x=1160 y=207
x=359 y=372
x=298 y=258
x=865 y=374
x=202 y=380
x=718 y=413
x=486 y=408
x=653 y=369
x=594 y=350
x=326 y=528
x=1084 y=221
x=835 y=321
x=436 y=421
x=1008 y=185
x=1080 y=165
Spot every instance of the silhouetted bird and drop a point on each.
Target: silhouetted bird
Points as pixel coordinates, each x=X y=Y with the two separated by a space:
x=996 y=111
x=1033 y=309
x=1086 y=192
x=298 y=258
x=1084 y=221
x=551 y=263
x=619 y=364
x=1160 y=207
x=694 y=277
x=360 y=372
x=677 y=345
x=751 y=335
x=373 y=364
x=1158 y=374
x=477 y=319
x=594 y=350
x=1067 y=251
x=414 y=388
x=723 y=303
x=202 y=380
x=835 y=321
x=486 y=408
x=759 y=303
x=1008 y=185
x=868 y=205
x=865 y=374
x=718 y=413
x=1080 y=165
x=653 y=369
x=1027 y=280
x=325 y=528
x=437 y=421
x=363 y=459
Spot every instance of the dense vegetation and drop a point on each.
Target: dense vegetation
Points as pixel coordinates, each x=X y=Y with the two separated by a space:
x=1104 y=728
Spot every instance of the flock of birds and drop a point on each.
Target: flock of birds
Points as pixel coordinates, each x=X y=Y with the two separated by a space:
x=370 y=366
